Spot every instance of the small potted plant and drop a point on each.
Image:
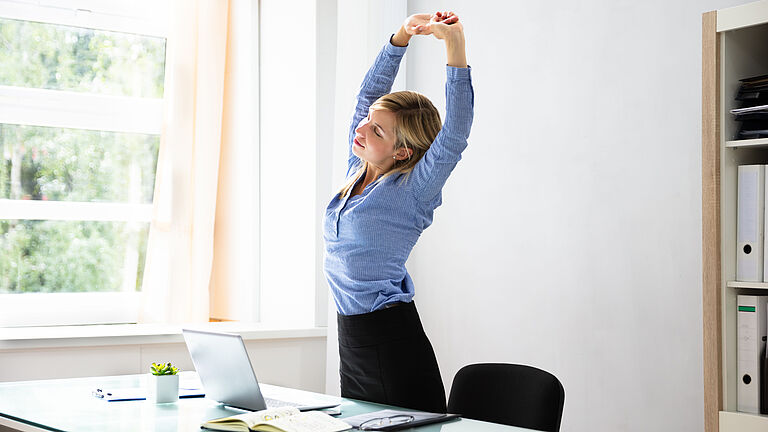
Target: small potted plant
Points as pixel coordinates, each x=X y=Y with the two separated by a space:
x=163 y=383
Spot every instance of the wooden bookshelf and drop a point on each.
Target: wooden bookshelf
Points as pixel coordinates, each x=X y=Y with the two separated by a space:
x=733 y=47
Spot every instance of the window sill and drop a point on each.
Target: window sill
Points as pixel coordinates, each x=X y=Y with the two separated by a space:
x=138 y=334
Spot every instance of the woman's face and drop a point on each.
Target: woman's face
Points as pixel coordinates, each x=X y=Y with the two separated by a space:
x=374 y=140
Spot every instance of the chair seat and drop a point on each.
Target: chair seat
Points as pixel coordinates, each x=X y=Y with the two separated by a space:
x=510 y=394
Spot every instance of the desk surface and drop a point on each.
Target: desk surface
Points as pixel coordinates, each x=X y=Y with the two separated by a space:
x=67 y=405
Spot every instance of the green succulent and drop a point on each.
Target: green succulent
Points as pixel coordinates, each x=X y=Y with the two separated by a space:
x=164 y=369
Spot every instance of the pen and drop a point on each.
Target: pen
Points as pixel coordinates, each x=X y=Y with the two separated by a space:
x=99 y=393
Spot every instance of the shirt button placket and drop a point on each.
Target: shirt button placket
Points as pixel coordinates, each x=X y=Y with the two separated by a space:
x=337 y=213
x=336 y=216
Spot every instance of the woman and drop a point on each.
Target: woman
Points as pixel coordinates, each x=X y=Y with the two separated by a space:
x=399 y=160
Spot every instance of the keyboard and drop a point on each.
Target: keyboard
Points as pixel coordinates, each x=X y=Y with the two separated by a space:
x=277 y=403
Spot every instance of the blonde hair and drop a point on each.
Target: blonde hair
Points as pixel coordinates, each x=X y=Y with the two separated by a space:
x=417 y=123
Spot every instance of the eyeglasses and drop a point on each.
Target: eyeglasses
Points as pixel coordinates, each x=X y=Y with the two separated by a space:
x=380 y=422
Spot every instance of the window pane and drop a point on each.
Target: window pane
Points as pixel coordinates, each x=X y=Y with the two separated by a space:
x=64 y=256
x=78 y=59
x=58 y=164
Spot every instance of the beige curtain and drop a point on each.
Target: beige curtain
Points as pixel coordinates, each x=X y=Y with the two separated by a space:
x=180 y=247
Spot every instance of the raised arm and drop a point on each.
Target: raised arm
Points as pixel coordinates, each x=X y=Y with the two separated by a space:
x=379 y=78
x=432 y=171
x=377 y=82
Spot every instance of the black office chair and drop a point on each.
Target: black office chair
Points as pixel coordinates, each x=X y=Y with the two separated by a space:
x=510 y=394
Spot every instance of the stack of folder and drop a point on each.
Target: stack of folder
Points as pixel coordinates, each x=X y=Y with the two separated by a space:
x=752 y=312
x=753 y=113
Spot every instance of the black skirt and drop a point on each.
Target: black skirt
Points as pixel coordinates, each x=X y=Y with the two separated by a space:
x=387 y=358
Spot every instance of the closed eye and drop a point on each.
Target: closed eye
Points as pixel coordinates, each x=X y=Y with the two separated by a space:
x=375 y=125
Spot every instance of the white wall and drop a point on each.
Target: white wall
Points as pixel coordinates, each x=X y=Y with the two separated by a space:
x=293 y=362
x=572 y=228
x=288 y=70
x=570 y=234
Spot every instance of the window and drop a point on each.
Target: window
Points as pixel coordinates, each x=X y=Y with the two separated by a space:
x=81 y=91
x=87 y=87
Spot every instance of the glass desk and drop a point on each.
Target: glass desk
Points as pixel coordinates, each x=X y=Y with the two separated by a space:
x=68 y=405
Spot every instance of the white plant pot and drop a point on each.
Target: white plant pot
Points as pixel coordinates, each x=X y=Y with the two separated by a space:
x=162 y=388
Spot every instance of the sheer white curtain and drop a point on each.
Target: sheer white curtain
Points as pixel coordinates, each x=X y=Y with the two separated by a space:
x=180 y=248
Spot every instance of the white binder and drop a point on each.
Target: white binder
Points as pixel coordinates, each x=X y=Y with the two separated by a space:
x=750 y=345
x=750 y=223
x=765 y=224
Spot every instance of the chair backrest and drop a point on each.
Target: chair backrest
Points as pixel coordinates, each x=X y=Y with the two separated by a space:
x=510 y=394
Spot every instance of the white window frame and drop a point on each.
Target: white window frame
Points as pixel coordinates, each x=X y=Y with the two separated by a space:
x=67 y=109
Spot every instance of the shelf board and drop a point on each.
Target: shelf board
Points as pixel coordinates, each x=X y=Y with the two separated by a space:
x=742 y=422
x=741 y=284
x=750 y=143
x=746 y=15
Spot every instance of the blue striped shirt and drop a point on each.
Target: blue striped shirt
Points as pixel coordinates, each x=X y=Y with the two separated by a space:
x=368 y=237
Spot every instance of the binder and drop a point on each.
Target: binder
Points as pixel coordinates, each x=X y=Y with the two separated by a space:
x=750 y=223
x=750 y=356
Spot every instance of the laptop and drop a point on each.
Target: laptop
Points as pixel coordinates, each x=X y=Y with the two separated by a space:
x=225 y=371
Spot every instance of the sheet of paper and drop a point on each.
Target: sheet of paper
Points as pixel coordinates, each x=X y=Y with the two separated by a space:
x=313 y=421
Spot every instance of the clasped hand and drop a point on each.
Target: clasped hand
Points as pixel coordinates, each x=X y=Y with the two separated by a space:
x=439 y=24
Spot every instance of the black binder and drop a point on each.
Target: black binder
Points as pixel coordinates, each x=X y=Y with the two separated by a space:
x=764 y=383
x=753 y=92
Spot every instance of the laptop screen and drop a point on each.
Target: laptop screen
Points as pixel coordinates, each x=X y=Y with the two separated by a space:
x=222 y=362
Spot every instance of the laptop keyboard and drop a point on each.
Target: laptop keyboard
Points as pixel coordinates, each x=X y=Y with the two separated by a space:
x=277 y=403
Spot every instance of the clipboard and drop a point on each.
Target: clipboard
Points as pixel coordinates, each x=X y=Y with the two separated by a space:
x=418 y=418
